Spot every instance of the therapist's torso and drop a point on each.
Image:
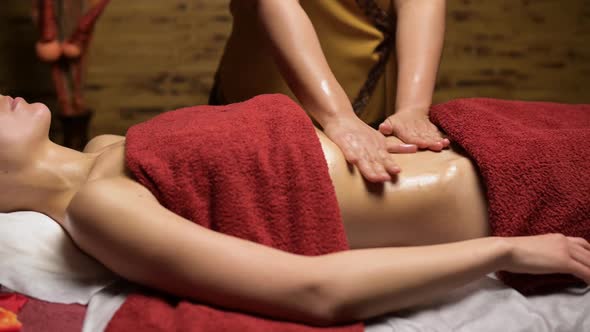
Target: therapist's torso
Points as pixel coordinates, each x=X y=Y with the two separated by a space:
x=348 y=39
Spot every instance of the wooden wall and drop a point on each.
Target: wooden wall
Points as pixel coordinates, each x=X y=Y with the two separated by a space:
x=517 y=49
x=149 y=56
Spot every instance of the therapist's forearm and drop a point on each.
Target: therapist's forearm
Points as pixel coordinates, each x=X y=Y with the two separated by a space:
x=420 y=38
x=300 y=59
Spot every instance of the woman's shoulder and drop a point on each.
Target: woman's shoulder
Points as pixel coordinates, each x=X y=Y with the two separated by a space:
x=109 y=198
x=102 y=141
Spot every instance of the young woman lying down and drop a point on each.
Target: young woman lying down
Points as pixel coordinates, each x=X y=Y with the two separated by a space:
x=148 y=208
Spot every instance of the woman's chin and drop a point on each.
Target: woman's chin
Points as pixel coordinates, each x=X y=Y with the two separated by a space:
x=40 y=107
x=40 y=111
x=41 y=115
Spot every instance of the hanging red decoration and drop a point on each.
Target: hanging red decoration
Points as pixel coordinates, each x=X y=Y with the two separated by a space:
x=67 y=57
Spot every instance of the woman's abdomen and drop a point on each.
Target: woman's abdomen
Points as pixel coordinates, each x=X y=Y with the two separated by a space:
x=436 y=198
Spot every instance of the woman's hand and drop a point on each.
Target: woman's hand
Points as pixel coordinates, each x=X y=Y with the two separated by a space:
x=365 y=147
x=414 y=127
x=550 y=253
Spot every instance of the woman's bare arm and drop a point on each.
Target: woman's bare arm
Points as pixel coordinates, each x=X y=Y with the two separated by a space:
x=121 y=224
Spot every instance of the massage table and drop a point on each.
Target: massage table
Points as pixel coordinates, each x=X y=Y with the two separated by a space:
x=70 y=291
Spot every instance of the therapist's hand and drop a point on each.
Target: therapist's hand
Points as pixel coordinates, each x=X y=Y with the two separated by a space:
x=365 y=147
x=414 y=127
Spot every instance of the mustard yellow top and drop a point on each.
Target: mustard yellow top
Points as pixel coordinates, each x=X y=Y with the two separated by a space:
x=348 y=39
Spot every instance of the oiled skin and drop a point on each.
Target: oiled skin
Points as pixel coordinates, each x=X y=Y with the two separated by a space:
x=437 y=198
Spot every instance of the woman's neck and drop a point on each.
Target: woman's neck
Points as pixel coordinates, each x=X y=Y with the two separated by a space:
x=58 y=174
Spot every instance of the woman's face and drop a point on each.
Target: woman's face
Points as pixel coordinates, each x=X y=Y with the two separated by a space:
x=24 y=129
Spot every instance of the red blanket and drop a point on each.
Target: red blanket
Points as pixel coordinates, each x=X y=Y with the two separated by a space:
x=37 y=315
x=260 y=158
x=12 y=301
x=535 y=162
x=10 y=305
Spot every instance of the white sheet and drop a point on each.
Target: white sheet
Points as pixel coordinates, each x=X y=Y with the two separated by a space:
x=488 y=305
x=40 y=260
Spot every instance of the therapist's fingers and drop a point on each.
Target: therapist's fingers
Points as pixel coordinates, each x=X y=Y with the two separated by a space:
x=363 y=147
x=372 y=171
x=367 y=164
x=410 y=134
x=414 y=128
x=389 y=162
x=436 y=141
x=394 y=146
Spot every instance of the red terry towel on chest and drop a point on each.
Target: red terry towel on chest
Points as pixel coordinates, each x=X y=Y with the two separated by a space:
x=254 y=170
x=535 y=163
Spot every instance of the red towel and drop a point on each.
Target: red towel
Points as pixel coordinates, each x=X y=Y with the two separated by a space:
x=535 y=163
x=261 y=158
